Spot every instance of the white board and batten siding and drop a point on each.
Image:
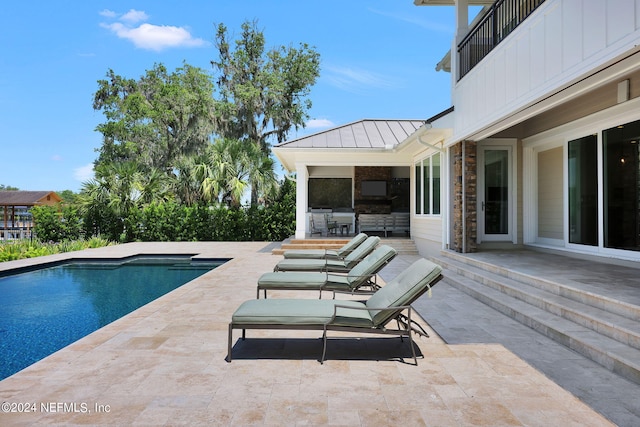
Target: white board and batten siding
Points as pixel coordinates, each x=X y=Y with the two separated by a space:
x=560 y=43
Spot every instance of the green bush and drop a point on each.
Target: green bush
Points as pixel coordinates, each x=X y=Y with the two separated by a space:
x=55 y=224
x=170 y=221
x=19 y=249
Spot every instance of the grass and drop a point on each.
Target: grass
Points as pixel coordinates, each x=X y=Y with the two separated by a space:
x=19 y=249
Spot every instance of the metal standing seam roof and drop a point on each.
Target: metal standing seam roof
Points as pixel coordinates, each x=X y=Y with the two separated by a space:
x=367 y=133
x=23 y=198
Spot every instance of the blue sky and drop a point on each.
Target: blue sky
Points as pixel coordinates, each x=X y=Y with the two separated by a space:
x=378 y=60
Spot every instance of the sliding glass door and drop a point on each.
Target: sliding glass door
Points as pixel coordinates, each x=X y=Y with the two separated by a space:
x=583 y=190
x=622 y=187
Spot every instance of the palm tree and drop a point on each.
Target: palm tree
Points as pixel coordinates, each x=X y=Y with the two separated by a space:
x=117 y=190
x=229 y=168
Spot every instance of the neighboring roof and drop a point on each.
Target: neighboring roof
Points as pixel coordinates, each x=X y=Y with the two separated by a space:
x=25 y=198
x=368 y=133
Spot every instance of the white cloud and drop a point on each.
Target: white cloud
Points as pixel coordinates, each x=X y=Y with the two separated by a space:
x=357 y=80
x=108 y=13
x=319 y=124
x=84 y=173
x=150 y=36
x=56 y=157
x=134 y=16
x=423 y=23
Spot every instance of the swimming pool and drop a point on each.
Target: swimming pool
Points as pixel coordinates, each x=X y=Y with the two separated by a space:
x=44 y=310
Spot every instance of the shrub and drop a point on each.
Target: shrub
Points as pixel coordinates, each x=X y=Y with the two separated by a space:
x=55 y=224
x=19 y=249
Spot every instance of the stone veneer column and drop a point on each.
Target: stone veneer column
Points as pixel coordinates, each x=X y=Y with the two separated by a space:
x=464 y=235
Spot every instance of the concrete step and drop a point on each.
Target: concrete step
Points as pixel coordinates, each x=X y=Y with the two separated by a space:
x=296 y=244
x=606 y=332
x=403 y=246
x=339 y=242
x=601 y=301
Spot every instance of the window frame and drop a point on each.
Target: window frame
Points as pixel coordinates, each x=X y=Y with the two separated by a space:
x=426 y=202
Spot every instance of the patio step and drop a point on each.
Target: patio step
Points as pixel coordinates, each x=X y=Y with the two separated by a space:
x=600 y=328
x=403 y=246
x=309 y=244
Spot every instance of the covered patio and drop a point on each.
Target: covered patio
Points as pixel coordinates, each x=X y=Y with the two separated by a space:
x=357 y=176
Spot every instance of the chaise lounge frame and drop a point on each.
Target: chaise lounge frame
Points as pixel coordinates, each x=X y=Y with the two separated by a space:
x=362 y=276
x=405 y=324
x=331 y=265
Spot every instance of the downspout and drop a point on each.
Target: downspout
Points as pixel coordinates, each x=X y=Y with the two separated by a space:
x=426 y=127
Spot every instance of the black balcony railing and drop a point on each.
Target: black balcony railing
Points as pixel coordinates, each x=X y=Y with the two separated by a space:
x=500 y=20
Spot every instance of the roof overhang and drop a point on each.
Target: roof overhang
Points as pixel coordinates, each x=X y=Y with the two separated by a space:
x=364 y=142
x=429 y=134
x=612 y=71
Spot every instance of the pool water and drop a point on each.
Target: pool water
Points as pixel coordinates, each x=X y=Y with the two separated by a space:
x=45 y=310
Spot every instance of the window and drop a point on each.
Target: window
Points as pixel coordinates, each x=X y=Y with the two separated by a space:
x=427 y=179
x=583 y=190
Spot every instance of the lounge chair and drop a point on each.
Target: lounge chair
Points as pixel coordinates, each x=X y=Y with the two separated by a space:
x=387 y=304
x=360 y=277
x=333 y=265
x=345 y=250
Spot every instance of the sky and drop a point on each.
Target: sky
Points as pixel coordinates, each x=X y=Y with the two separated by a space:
x=378 y=60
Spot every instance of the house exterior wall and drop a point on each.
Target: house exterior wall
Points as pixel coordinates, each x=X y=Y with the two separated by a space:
x=552 y=49
x=545 y=179
x=550 y=194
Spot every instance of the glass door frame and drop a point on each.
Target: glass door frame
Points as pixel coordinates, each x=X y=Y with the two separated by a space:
x=509 y=145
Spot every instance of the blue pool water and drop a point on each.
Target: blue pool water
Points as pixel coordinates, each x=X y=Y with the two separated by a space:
x=45 y=310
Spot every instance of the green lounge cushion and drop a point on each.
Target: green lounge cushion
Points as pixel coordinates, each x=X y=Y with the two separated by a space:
x=311 y=254
x=303 y=280
x=299 y=312
x=330 y=265
x=327 y=253
x=311 y=265
x=403 y=288
x=355 y=278
x=289 y=279
x=370 y=265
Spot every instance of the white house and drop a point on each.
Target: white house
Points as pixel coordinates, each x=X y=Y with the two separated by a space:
x=540 y=147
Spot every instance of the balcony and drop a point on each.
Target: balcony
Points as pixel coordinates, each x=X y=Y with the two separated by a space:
x=498 y=22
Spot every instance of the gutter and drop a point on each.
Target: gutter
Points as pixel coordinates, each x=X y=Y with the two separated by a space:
x=424 y=129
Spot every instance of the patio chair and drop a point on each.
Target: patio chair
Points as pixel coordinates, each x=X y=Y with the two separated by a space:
x=332 y=224
x=361 y=278
x=322 y=224
x=333 y=265
x=327 y=253
x=317 y=224
x=389 y=303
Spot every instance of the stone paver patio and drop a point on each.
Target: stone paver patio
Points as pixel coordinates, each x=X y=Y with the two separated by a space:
x=164 y=364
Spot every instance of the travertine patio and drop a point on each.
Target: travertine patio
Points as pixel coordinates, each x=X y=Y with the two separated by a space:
x=164 y=364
